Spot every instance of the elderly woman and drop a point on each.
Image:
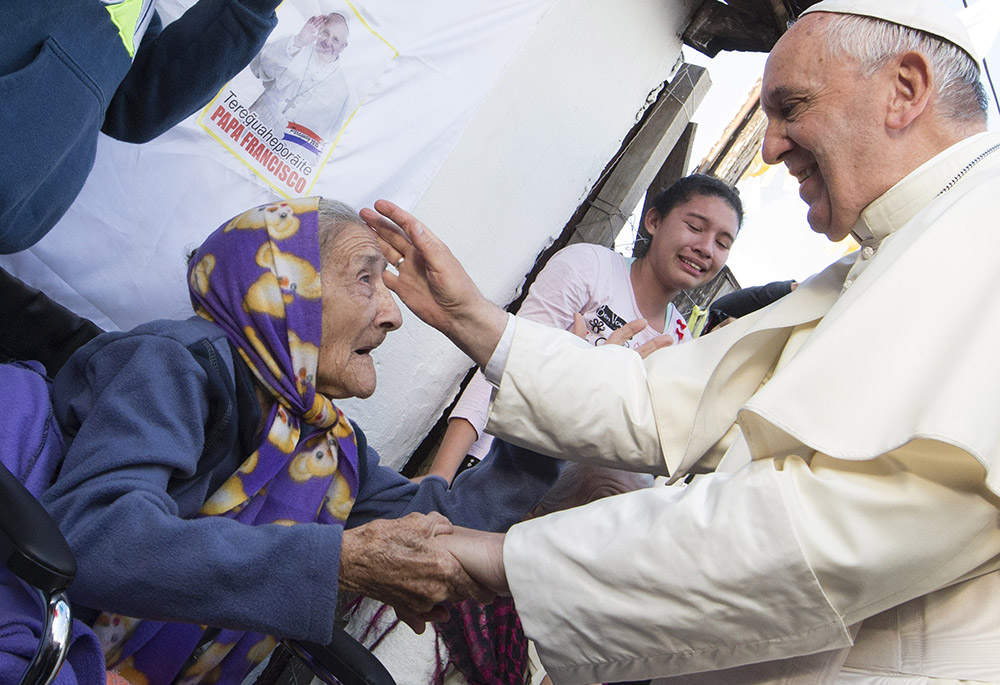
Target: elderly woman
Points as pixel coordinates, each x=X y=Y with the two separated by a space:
x=213 y=493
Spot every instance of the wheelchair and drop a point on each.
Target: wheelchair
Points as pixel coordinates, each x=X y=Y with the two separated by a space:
x=36 y=552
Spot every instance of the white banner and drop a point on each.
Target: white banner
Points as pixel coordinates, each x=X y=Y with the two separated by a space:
x=350 y=99
x=283 y=115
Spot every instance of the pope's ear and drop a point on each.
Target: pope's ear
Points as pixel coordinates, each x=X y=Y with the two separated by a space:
x=911 y=87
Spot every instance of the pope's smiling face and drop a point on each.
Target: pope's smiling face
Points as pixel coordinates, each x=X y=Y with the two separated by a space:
x=824 y=117
x=331 y=39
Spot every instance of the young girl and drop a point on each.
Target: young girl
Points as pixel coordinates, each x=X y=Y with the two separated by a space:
x=692 y=225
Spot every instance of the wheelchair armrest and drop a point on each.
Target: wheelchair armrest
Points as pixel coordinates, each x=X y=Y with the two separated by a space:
x=31 y=545
x=344 y=658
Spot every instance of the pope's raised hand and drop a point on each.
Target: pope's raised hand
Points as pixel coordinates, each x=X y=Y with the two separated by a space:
x=433 y=283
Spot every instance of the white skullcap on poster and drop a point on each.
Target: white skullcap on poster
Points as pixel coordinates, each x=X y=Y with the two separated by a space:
x=929 y=16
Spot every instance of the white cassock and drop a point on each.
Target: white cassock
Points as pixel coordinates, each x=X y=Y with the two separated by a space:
x=300 y=88
x=856 y=502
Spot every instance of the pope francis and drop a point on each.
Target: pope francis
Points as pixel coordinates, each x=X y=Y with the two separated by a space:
x=849 y=530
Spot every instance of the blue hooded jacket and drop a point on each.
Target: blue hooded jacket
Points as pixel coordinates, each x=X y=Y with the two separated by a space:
x=66 y=73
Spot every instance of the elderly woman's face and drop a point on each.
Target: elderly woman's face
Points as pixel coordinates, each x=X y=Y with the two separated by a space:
x=358 y=312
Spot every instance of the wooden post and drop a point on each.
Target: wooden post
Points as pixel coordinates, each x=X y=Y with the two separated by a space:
x=642 y=156
x=673 y=169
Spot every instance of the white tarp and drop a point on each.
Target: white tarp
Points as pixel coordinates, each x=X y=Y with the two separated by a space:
x=492 y=124
x=414 y=72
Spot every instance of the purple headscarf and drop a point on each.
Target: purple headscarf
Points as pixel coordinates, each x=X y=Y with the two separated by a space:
x=258 y=278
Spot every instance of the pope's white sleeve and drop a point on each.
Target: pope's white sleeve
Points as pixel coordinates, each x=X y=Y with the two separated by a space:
x=669 y=580
x=770 y=562
x=547 y=401
x=882 y=531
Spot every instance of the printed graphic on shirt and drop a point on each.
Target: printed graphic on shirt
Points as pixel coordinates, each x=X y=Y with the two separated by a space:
x=606 y=316
x=284 y=114
x=680 y=327
x=604 y=321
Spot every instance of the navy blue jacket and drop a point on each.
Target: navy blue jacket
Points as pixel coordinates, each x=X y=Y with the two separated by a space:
x=155 y=420
x=65 y=75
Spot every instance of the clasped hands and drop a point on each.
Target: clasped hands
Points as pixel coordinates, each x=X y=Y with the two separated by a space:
x=416 y=563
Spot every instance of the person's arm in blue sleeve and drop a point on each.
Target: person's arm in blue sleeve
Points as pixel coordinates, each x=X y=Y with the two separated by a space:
x=746 y=300
x=135 y=409
x=493 y=496
x=180 y=67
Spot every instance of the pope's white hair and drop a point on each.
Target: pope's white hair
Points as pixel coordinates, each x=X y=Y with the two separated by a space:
x=343 y=18
x=874 y=42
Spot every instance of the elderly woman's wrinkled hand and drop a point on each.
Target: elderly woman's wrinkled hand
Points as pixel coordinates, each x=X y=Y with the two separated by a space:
x=402 y=562
x=433 y=284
